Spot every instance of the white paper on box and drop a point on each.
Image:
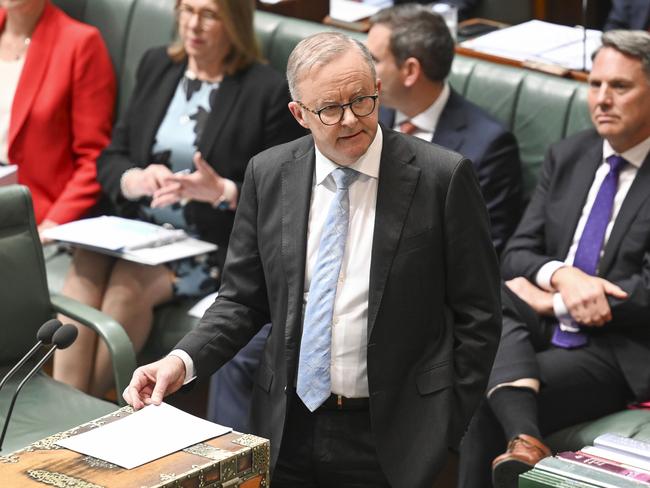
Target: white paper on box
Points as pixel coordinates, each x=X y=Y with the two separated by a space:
x=146 y=435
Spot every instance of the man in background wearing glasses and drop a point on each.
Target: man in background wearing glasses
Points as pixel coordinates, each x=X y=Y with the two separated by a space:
x=370 y=254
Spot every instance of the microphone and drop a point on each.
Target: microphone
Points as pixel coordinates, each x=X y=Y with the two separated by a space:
x=62 y=338
x=44 y=336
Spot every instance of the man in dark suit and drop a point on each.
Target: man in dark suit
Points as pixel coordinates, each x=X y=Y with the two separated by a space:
x=628 y=14
x=369 y=252
x=413 y=51
x=575 y=341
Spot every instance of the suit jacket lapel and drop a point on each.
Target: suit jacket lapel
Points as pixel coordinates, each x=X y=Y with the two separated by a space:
x=397 y=183
x=297 y=182
x=636 y=195
x=36 y=63
x=224 y=100
x=585 y=169
x=161 y=98
x=452 y=121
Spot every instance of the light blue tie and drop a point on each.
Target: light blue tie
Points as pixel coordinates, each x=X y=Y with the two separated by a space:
x=314 y=379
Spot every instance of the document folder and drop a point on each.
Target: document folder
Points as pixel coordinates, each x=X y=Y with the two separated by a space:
x=130 y=239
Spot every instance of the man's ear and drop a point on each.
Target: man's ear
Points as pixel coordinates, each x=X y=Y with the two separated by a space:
x=296 y=111
x=411 y=71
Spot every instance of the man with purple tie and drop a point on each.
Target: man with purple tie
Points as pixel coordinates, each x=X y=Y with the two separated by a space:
x=577 y=302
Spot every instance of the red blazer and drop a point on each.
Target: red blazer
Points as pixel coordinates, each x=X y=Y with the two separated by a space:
x=61 y=115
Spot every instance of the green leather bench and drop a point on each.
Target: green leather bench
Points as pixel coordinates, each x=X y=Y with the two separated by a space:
x=540 y=109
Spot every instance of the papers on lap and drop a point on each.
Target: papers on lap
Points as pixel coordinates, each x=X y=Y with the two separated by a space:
x=8 y=174
x=144 y=436
x=130 y=239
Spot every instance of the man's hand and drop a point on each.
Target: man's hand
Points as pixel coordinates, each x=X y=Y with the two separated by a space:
x=144 y=182
x=539 y=300
x=586 y=296
x=152 y=382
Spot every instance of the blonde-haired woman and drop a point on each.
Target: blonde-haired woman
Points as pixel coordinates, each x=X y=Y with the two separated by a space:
x=205 y=104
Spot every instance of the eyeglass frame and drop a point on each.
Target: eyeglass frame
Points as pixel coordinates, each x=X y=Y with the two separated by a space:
x=183 y=9
x=342 y=106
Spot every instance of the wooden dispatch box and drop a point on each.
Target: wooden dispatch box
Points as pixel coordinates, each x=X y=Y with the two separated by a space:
x=231 y=460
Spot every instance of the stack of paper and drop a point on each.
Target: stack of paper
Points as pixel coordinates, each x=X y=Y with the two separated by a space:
x=535 y=40
x=8 y=174
x=144 y=436
x=130 y=239
x=351 y=11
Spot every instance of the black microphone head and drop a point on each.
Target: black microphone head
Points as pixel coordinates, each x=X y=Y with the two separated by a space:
x=65 y=336
x=47 y=330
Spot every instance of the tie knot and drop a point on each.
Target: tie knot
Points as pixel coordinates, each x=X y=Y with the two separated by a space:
x=343 y=177
x=616 y=162
x=408 y=127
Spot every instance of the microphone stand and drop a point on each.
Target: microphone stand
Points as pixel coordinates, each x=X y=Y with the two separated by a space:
x=22 y=383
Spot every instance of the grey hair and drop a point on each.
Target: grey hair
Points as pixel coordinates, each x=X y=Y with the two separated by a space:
x=320 y=49
x=418 y=32
x=634 y=43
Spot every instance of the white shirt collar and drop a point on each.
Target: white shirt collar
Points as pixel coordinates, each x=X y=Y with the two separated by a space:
x=368 y=164
x=635 y=155
x=427 y=121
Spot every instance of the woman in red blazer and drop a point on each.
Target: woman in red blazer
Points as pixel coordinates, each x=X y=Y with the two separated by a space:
x=62 y=109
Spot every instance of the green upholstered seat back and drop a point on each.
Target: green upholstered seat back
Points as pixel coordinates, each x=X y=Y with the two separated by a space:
x=24 y=297
x=541 y=118
x=152 y=23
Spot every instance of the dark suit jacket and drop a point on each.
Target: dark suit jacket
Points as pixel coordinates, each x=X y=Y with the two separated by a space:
x=56 y=142
x=465 y=128
x=250 y=114
x=628 y=14
x=546 y=231
x=433 y=308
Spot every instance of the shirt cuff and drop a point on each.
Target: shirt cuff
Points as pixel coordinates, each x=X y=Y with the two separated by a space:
x=123 y=189
x=187 y=361
x=228 y=199
x=543 y=276
x=559 y=308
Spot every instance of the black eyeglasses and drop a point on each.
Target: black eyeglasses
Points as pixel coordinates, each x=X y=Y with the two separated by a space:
x=206 y=16
x=333 y=114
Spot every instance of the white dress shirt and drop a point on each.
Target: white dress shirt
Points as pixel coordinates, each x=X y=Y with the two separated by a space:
x=9 y=75
x=426 y=121
x=350 y=319
x=635 y=157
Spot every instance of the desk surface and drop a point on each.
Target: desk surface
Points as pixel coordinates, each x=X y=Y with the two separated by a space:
x=227 y=459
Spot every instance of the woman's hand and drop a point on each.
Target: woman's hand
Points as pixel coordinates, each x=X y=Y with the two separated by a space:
x=137 y=183
x=204 y=185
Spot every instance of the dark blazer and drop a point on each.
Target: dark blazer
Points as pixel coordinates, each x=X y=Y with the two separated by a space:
x=628 y=14
x=546 y=231
x=465 y=128
x=56 y=142
x=250 y=114
x=433 y=308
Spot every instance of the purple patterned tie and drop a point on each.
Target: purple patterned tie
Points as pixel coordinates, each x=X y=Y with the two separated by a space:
x=591 y=243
